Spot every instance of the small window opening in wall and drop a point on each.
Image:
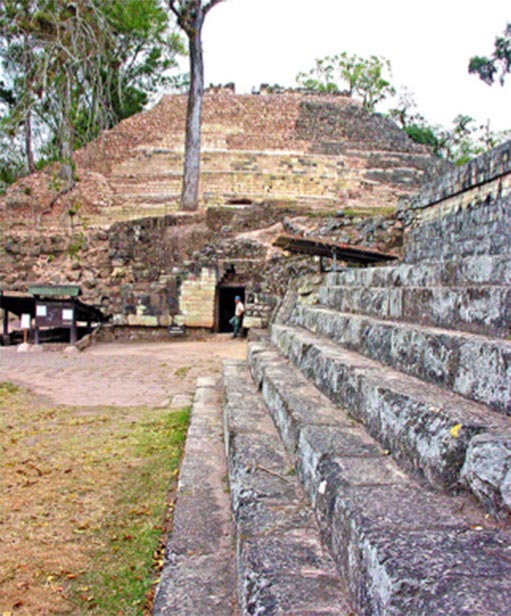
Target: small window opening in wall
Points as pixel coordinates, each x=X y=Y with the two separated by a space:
x=225 y=312
x=240 y=201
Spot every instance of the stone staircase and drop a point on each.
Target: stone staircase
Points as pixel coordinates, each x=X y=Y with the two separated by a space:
x=401 y=438
x=270 y=558
x=376 y=422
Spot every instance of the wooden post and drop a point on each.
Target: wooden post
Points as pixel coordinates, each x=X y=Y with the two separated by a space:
x=74 y=333
x=6 y=322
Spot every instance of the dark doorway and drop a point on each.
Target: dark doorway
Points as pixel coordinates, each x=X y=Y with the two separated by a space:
x=226 y=297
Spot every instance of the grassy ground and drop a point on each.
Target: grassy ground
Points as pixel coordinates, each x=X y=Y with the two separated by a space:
x=86 y=496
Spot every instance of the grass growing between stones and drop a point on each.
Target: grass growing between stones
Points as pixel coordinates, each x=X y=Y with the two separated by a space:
x=85 y=501
x=182 y=371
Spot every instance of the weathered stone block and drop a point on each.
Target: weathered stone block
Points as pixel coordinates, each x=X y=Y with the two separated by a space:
x=142 y=320
x=428 y=430
x=482 y=310
x=250 y=321
x=474 y=366
x=487 y=471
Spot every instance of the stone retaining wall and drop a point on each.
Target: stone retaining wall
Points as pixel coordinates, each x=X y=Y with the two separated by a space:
x=464 y=212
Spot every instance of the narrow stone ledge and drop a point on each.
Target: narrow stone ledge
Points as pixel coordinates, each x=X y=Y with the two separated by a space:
x=198 y=574
x=282 y=565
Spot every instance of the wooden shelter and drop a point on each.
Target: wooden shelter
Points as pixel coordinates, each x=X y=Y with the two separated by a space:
x=47 y=307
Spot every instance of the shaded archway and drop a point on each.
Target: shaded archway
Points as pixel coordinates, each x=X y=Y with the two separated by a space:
x=225 y=305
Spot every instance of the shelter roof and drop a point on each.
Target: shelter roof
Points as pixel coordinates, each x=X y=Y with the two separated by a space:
x=323 y=248
x=19 y=304
x=63 y=290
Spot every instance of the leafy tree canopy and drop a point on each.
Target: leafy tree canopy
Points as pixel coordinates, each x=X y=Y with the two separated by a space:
x=463 y=140
x=352 y=75
x=498 y=65
x=71 y=69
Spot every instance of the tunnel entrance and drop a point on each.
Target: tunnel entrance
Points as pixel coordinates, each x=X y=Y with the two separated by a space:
x=225 y=306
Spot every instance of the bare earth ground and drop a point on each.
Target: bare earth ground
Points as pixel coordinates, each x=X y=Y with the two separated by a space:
x=64 y=451
x=150 y=374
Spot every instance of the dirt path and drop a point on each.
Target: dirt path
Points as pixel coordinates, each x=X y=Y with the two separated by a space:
x=150 y=374
x=71 y=465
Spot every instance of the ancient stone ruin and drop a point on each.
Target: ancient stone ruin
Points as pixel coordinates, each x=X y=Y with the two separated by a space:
x=368 y=434
x=374 y=420
x=271 y=163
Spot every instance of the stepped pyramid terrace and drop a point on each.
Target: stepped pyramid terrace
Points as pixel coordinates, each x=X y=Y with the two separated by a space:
x=271 y=163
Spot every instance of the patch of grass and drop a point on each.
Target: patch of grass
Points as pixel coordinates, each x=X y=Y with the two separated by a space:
x=121 y=578
x=86 y=495
x=7 y=388
x=182 y=372
x=330 y=213
x=369 y=212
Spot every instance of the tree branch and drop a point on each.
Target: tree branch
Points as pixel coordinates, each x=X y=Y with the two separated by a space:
x=210 y=5
x=172 y=7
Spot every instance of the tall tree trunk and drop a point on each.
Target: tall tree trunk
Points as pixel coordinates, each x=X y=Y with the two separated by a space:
x=29 y=152
x=66 y=138
x=190 y=17
x=191 y=175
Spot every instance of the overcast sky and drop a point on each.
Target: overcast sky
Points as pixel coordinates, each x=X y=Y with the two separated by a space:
x=429 y=44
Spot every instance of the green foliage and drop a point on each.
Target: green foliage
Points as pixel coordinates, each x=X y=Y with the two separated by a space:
x=76 y=245
x=11 y=168
x=461 y=142
x=498 y=64
x=422 y=134
x=8 y=389
x=364 y=78
x=72 y=69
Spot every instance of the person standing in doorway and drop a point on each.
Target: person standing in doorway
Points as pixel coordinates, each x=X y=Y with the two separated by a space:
x=237 y=319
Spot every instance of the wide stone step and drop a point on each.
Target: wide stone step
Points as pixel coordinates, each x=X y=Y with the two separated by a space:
x=199 y=571
x=481 y=309
x=467 y=271
x=431 y=432
x=400 y=548
x=282 y=566
x=153 y=161
x=474 y=366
